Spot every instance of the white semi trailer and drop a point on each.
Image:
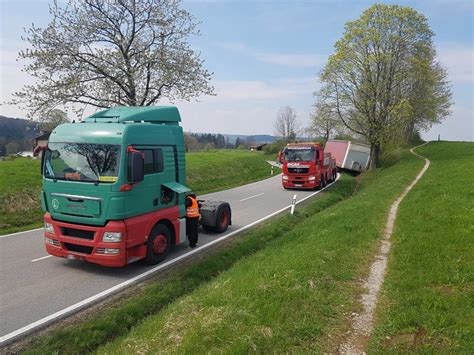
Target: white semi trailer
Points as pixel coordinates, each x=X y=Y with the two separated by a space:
x=349 y=155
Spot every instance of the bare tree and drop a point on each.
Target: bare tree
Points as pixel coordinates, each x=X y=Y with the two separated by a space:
x=286 y=125
x=107 y=53
x=324 y=120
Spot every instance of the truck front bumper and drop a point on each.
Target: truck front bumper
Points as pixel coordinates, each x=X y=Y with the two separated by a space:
x=300 y=182
x=82 y=242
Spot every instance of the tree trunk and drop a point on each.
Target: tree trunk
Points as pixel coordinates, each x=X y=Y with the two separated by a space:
x=374 y=156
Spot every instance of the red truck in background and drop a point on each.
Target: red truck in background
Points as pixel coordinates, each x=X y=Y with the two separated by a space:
x=305 y=165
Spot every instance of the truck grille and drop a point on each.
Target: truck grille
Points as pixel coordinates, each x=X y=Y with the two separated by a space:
x=298 y=170
x=78 y=233
x=78 y=248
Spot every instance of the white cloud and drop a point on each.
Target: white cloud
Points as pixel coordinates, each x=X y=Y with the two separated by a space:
x=459 y=60
x=231 y=91
x=282 y=59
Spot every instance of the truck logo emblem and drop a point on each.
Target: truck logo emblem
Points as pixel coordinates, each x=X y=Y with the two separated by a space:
x=55 y=203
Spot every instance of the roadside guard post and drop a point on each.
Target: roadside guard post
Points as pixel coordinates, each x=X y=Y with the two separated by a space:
x=272 y=170
x=293 y=203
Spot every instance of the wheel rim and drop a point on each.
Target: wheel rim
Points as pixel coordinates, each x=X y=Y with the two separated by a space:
x=159 y=244
x=224 y=220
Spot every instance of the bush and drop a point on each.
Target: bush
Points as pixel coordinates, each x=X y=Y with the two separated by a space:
x=274 y=148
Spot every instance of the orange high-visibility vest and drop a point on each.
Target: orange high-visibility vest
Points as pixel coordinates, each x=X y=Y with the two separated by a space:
x=193 y=210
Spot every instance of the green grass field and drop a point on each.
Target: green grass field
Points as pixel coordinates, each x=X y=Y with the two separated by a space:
x=295 y=295
x=20 y=182
x=427 y=303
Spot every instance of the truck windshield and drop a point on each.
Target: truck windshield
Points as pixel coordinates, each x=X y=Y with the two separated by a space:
x=298 y=154
x=82 y=162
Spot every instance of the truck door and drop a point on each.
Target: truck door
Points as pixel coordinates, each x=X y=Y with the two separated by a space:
x=170 y=173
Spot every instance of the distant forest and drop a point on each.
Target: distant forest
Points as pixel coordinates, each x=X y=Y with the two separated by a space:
x=17 y=134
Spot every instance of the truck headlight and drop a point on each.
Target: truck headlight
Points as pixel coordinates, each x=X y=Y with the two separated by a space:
x=48 y=227
x=112 y=237
x=285 y=177
x=311 y=178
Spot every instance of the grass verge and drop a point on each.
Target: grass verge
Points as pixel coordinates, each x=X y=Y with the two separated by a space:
x=20 y=182
x=294 y=295
x=223 y=169
x=119 y=320
x=427 y=303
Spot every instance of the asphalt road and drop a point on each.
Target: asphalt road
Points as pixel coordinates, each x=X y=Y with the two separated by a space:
x=36 y=289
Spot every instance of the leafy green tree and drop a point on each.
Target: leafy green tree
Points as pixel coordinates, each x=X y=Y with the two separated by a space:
x=106 y=53
x=383 y=81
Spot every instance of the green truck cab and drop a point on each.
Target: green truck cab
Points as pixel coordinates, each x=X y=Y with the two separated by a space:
x=114 y=187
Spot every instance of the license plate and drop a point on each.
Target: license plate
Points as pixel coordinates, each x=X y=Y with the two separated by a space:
x=299 y=185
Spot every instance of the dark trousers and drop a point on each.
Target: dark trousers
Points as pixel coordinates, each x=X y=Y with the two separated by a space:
x=192 y=230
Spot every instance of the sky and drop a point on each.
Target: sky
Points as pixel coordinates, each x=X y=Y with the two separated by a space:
x=266 y=54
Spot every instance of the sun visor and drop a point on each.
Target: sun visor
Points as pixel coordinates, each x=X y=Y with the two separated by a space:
x=177 y=187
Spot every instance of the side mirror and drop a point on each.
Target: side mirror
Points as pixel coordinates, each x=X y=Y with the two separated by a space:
x=135 y=165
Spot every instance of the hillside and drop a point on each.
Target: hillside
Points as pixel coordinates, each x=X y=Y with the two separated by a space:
x=16 y=135
x=17 y=128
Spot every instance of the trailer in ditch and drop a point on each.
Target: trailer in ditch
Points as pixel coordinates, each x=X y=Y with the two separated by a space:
x=349 y=155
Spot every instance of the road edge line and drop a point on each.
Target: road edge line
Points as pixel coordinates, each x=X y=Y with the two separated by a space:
x=16 y=233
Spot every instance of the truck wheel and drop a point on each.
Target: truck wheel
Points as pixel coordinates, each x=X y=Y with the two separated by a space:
x=222 y=220
x=158 y=244
x=321 y=182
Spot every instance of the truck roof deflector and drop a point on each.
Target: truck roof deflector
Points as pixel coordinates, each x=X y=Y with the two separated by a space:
x=177 y=187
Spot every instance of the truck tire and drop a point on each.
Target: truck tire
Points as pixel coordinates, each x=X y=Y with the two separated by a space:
x=222 y=220
x=158 y=244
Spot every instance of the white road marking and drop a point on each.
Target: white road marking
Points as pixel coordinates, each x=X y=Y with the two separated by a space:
x=248 y=198
x=4 y=340
x=10 y=235
x=42 y=258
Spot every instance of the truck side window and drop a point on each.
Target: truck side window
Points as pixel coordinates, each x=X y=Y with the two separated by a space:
x=153 y=160
x=148 y=164
x=158 y=160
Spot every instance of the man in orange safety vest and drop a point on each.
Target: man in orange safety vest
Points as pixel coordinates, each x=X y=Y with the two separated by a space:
x=192 y=219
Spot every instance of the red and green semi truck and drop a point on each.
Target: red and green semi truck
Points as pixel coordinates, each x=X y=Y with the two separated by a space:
x=114 y=187
x=306 y=166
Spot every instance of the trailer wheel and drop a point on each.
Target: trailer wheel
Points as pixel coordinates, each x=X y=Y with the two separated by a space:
x=222 y=220
x=158 y=244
